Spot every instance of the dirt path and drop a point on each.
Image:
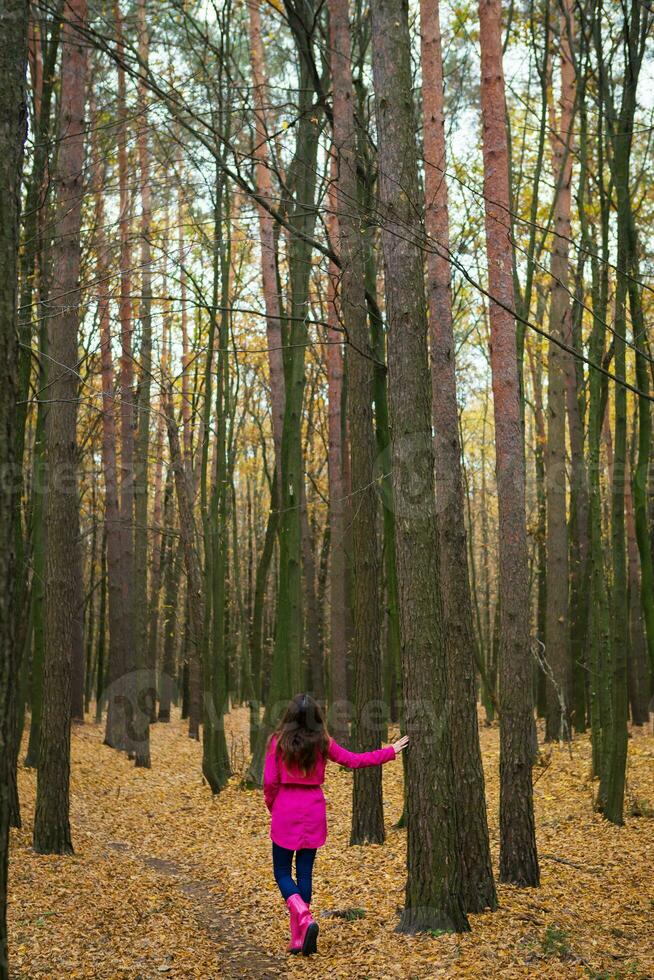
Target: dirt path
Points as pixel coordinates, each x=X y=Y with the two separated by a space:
x=239 y=956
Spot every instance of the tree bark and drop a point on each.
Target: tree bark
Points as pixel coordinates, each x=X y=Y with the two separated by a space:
x=434 y=897
x=34 y=269
x=286 y=668
x=37 y=602
x=518 y=858
x=313 y=639
x=338 y=710
x=478 y=884
x=90 y=607
x=489 y=690
x=170 y=622
x=187 y=407
x=215 y=761
x=540 y=439
x=596 y=245
x=76 y=571
x=51 y=820
x=576 y=403
x=13 y=130
x=122 y=700
x=163 y=492
x=369 y=716
x=256 y=636
x=114 y=730
x=263 y=183
x=557 y=653
x=637 y=664
x=154 y=600
x=144 y=691
x=270 y=282
x=102 y=632
x=188 y=537
x=620 y=123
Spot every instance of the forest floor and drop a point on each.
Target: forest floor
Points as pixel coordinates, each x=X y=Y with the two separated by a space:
x=168 y=881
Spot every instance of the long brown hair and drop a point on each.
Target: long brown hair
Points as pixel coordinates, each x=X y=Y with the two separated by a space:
x=302 y=735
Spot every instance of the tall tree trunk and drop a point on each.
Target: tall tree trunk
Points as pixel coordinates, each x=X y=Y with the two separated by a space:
x=34 y=269
x=114 y=730
x=620 y=123
x=338 y=708
x=242 y=651
x=90 y=607
x=193 y=637
x=576 y=402
x=187 y=407
x=644 y=527
x=557 y=653
x=169 y=623
x=286 y=669
x=124 y=684
x=313 y=640
x=144 y=687
x=270 y=281
x=540 y=439
x=256 y=633
x=392 y=679
x=478 y=884
x=302 y=216
x=263 y=182
x=489 y=690
x=215 y=762
x=434 y=896
x=100 y=671
x=367 y=805
x=51 y=819
x=518 y=858
x=154 y=601
x=163 y=491
x=323 y=567
x=188 y=537
x=578 y=531
x=76 y=571
x=596 y=244
x=37 y=535
x=13 y=130
x=312 y=650
x=637 y=664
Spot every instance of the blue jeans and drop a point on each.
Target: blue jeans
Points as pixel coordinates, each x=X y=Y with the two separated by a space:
x=282 y=869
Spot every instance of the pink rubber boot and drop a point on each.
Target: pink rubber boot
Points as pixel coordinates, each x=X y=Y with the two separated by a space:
x=307 y=927
x=295 y=945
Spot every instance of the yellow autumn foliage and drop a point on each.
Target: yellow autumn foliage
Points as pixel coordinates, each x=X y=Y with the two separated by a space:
x=168 y=881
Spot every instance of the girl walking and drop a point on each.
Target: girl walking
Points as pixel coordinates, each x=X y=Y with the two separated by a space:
x=292 y=786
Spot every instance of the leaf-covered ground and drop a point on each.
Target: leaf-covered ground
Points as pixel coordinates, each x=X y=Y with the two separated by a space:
x=168 y=881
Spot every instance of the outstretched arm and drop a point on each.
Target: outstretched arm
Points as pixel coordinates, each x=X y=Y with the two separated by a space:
x=358 y=760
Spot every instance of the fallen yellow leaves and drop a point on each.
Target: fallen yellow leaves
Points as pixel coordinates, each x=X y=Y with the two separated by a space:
x=168 y=881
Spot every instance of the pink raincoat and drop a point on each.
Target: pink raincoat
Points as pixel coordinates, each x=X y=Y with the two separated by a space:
x=296 y=800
